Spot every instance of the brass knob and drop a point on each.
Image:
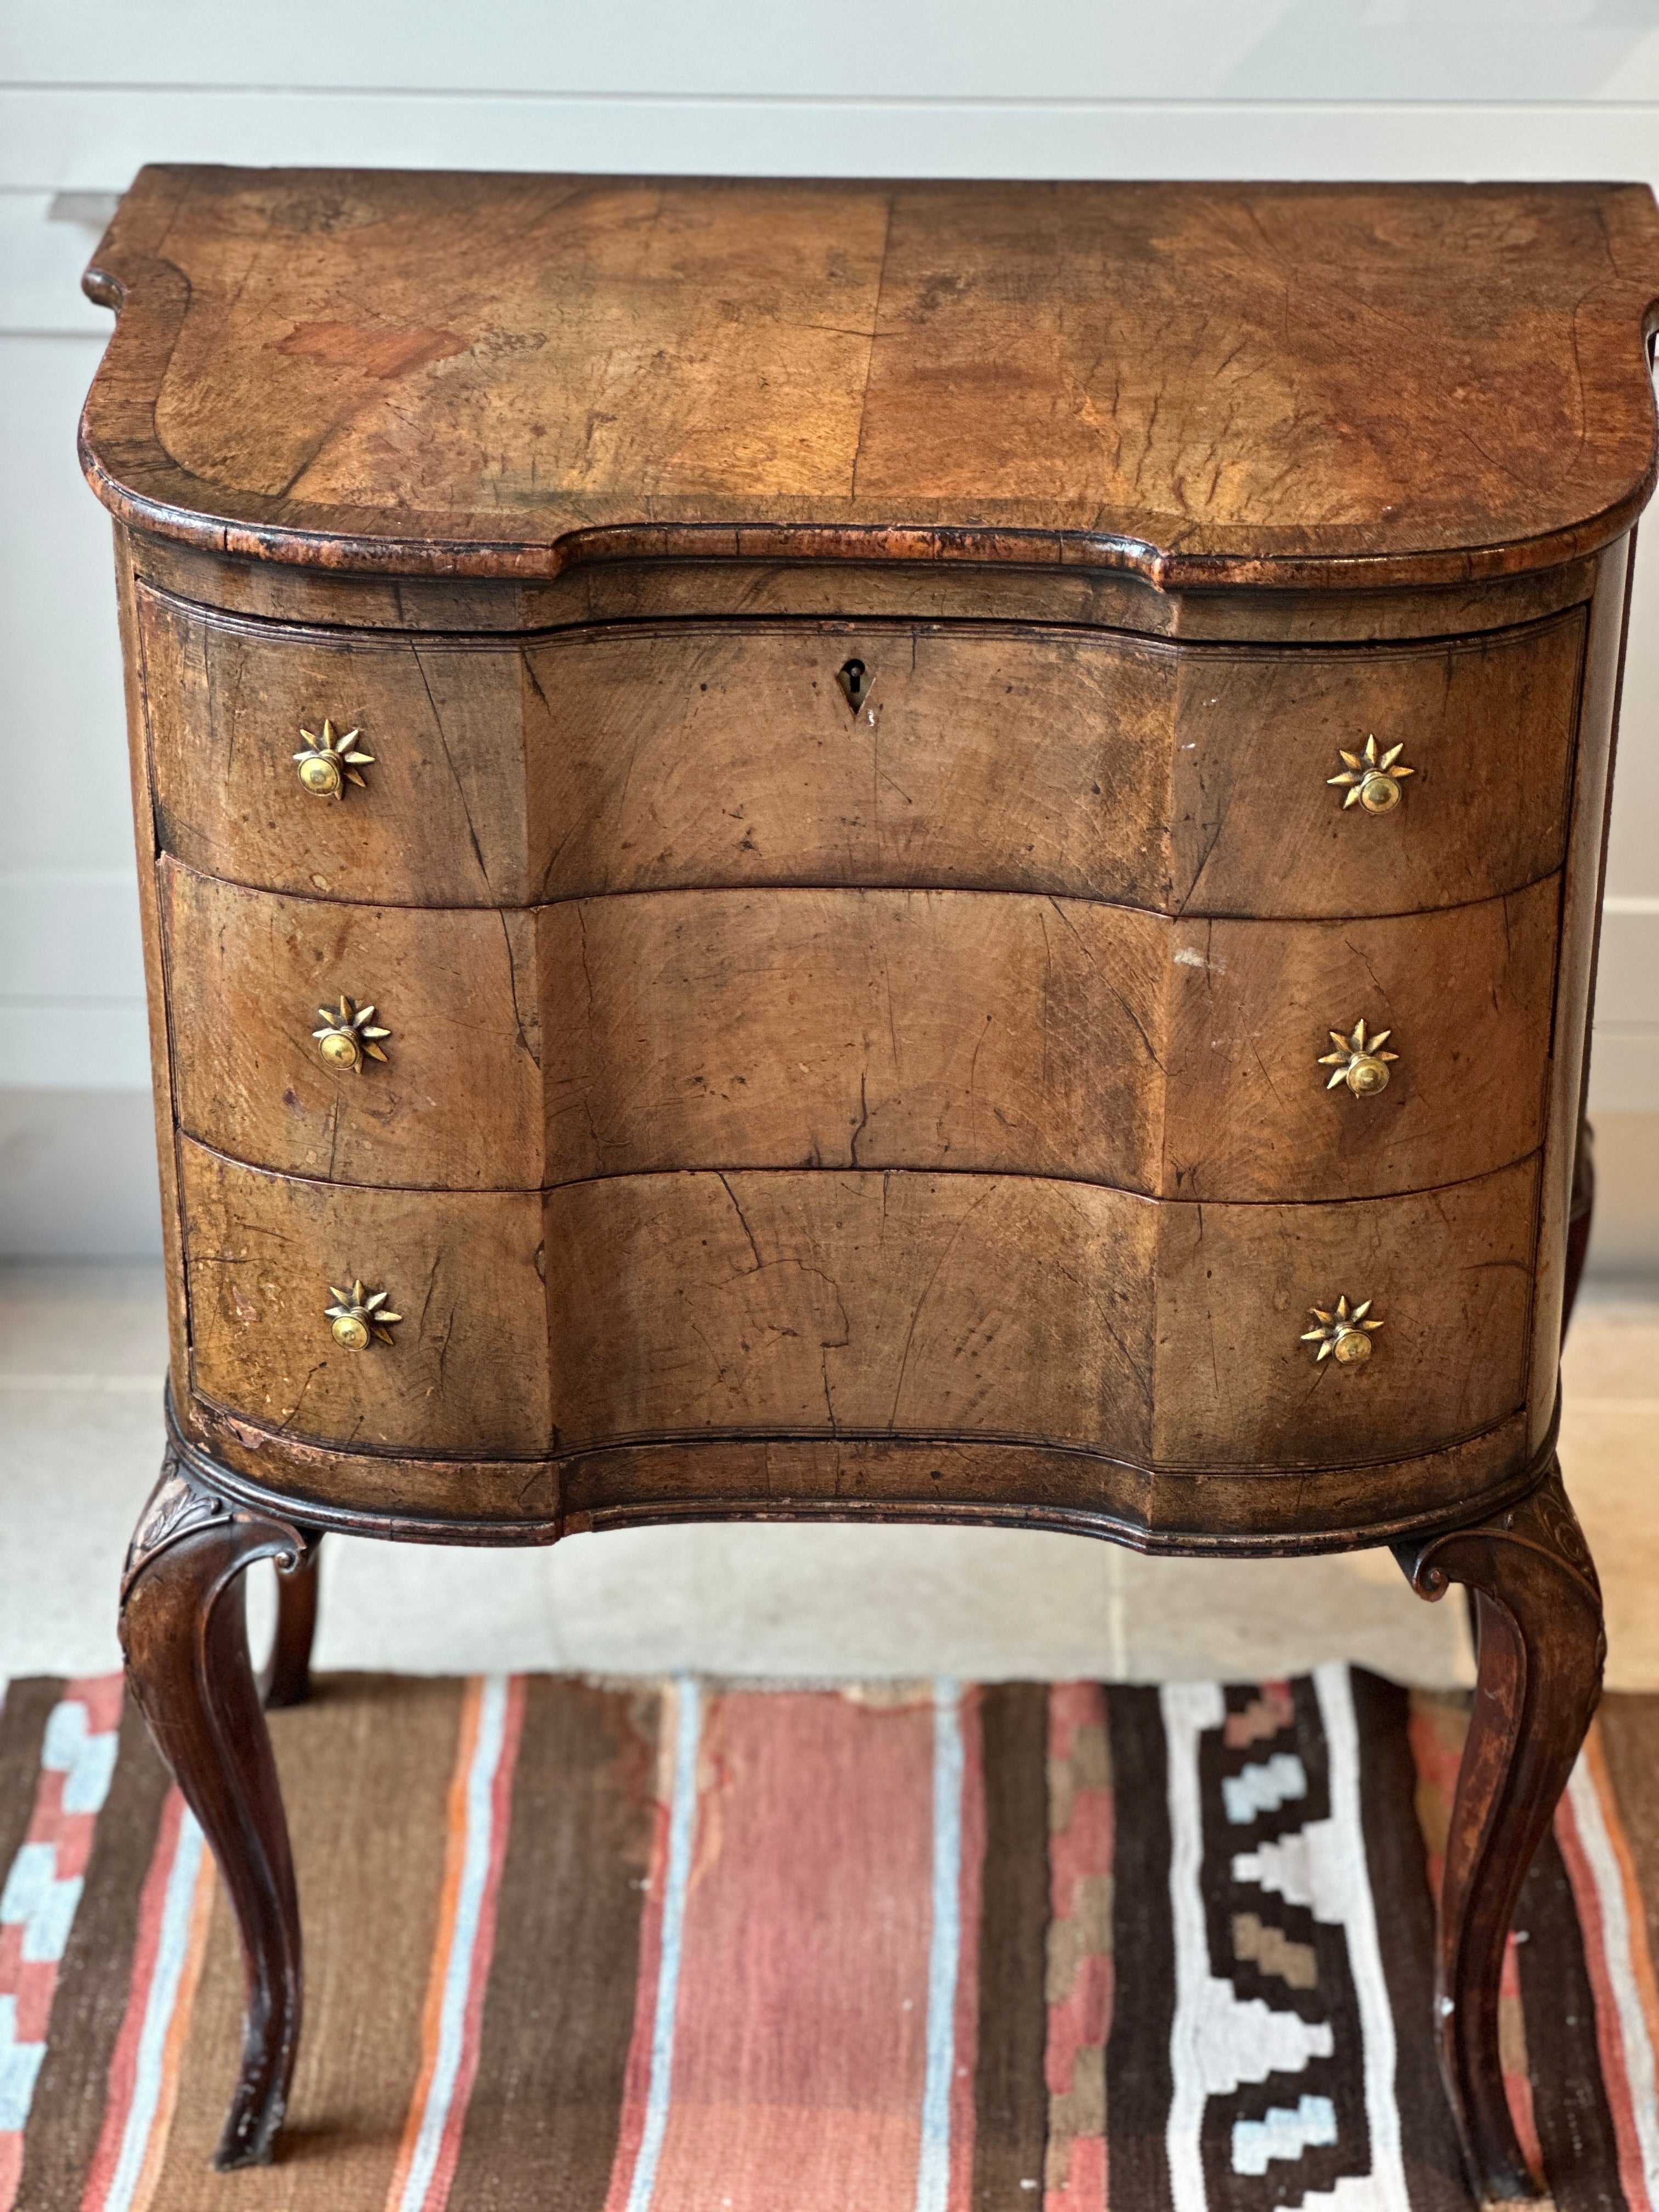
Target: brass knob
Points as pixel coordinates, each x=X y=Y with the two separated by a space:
x=1342 y=1336
x=1359 y=1062
x=360 y=1317
x=347 y=1036
x=1372 y=778
x=326 y=764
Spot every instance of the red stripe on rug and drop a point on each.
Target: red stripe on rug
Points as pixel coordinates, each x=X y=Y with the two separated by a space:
x=1080 y=2010
x=1608 y=1967
x=801 y=2043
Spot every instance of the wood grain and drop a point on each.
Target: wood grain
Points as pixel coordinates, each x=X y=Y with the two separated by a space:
x=417 y=371
x=818 y=1302
x=1190 y=778
x=958 y=1029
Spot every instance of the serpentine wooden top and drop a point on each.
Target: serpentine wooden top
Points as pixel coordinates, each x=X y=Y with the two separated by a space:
x=425 y=374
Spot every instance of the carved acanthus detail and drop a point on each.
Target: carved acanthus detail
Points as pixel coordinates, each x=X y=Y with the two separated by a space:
x=1543 y=1521
x=182 y=1502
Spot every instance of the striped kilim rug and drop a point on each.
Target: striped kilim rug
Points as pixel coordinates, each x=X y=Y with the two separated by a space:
x=638 y=1948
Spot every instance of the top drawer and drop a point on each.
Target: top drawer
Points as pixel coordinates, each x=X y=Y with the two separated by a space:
x=1191 y=780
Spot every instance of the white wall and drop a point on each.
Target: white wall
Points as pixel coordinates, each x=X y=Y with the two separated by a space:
x=89 y=89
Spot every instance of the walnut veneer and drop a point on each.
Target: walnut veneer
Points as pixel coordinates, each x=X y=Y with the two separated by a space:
x=892 y=731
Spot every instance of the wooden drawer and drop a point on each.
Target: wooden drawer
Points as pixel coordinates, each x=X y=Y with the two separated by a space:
x=1183 y=779
x=925 y=1029
x=859 y=1304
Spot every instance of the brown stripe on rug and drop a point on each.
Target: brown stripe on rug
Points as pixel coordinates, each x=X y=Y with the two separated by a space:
x=26 y=1709
x=1570 y=2103
x=1010 y=2093
x=90 y=2000
x=366 y=1771
x=541 y=2128
x=1138 y=2070
x=1404 y=1912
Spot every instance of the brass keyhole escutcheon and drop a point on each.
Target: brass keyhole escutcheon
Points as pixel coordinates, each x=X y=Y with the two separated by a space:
x=327 y=763
x=855 y=679
x=358 y=1317
x=348 y=1035
x=1343 y=1334
x=1372 y=779
x=1360 y=1060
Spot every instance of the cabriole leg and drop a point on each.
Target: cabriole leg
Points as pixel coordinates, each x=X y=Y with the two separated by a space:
x=288 y=1679
x=184 y=1630
x=1540 y=1652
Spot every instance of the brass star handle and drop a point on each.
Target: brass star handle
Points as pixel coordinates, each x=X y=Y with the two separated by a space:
x=1372 y=779
x=358 y=1317
x=1343 y=1334
x=327 y=763
x=1360 y=1060
x=348 y=1035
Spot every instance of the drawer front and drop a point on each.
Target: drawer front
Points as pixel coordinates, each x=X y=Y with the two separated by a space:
x=1192 y=780
x=920 y=1029
x=813 y=1304
x=456 y=1099
x=466 y=1371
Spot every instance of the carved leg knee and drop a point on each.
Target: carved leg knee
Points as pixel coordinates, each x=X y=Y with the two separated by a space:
x=1540 y=1653
x=184 y=1633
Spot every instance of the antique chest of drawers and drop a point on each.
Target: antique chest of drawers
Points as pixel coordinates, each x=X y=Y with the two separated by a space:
x=835 y=850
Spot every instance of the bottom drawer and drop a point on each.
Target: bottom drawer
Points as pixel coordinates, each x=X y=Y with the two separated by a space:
x=853 y=1303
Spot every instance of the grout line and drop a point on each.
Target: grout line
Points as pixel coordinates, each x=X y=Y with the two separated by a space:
x=991 y=103
x=104 y=1385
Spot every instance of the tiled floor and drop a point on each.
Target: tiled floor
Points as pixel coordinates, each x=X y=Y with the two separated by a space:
x=82 y=1349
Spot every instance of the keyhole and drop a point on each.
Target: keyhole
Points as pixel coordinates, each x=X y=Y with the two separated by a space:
x=854 y=680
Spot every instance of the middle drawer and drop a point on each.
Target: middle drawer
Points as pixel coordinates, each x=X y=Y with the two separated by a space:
x=995 y=1031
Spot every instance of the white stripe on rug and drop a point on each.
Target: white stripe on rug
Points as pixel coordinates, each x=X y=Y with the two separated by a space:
x=171 y=1952
x=1383 y=2190
x=681 y=1834
x=1617 y=1938
x=945 y=1952
x=477 y=1851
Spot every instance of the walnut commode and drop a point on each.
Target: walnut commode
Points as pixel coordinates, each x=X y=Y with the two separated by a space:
x=835 y=851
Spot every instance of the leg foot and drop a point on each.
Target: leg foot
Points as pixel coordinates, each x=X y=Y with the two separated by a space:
x=288 y=1678
x=184 y=1633
x=1540 y=1650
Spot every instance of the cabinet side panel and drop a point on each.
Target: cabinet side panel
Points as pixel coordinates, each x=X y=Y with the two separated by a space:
x=1581 y=927
x=160 y=1042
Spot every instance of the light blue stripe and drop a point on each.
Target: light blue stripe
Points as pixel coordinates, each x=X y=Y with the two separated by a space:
x=87 y=1783
x=20 y=2066
x=458 y=1967
x=682 y=1834
x=945 y=1952
x=171 y=1948
x=46 y=1931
